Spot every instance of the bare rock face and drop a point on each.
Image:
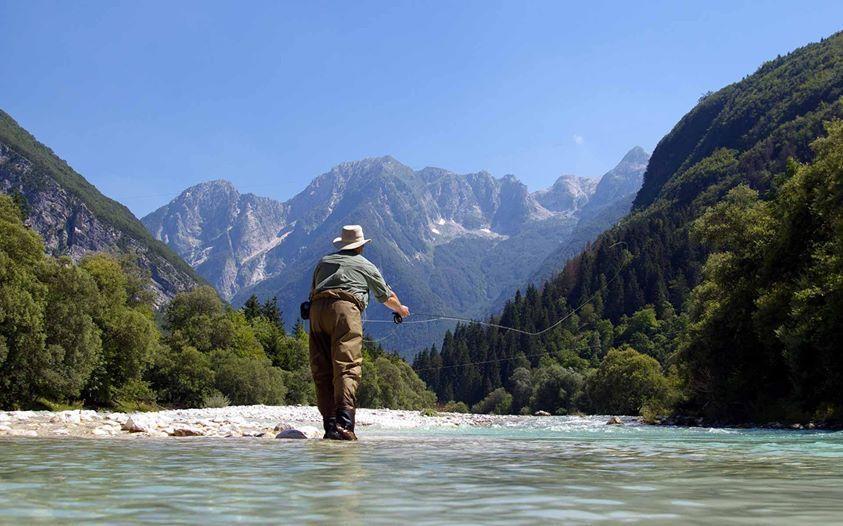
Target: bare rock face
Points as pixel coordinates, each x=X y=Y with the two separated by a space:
x=74 y=218
x=568 y=194
x=226 y=236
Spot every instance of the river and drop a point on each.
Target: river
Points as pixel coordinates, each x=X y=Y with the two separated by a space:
x=553 y=469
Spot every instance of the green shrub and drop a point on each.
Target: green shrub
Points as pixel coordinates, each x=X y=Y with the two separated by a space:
x=134 y=395
x=183 y=377
x=300 y=387
x=216 y=399
x=556 y=389
x=455 y=407
x=390 y=382
x=246 y=380
x=497 y=402
x=625 y=382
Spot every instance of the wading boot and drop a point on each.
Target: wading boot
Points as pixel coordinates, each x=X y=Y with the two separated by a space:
x=331 y=432
x=345 y=424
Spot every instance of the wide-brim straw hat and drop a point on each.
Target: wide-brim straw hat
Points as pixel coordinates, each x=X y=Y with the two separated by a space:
x=351 y=237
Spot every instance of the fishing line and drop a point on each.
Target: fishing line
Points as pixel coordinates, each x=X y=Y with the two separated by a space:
x=451 y=366
x=443 y=317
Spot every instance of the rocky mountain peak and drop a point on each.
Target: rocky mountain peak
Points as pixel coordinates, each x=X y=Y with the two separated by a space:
x=568 y=193
x=622 y=180
x=636 y=155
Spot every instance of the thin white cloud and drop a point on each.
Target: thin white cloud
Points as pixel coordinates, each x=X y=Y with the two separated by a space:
x=578 y=139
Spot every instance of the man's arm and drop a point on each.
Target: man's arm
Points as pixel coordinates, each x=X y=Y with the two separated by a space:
x=383 y=293
x=394 y=304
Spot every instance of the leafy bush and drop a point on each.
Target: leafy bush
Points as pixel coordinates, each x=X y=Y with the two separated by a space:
x=246 y=380
x=135 y=395
x=183 y=377
x=455 y=407
x=300 y=387
x=556 y=389
x=625 y=381
x=389 y=382
x=498 y=402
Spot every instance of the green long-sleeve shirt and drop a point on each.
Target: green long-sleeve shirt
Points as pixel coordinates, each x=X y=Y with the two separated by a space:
x=346 y=270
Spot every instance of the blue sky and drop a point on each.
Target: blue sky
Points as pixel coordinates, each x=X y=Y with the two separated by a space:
x=147 y=98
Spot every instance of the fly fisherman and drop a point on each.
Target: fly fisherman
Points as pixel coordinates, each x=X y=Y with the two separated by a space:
x=339 y=294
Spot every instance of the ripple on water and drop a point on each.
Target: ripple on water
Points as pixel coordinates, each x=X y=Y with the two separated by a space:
x=562 y=470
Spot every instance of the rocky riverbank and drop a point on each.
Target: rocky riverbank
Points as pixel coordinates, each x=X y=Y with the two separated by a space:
x=240 y=421
x=698 y=421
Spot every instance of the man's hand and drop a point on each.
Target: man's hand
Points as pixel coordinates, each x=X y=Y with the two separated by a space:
x=395 y=305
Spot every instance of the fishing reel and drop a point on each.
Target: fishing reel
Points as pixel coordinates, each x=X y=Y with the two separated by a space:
x=396 y=318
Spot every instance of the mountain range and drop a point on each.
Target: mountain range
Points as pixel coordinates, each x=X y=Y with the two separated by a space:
x=454 y=244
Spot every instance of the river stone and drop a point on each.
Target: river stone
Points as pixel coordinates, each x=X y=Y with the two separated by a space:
x=614 y=421
x=186 y=431
x=303 y=432
x=102 y=431
x=541 y=413
x=282 y=426
x=138 y=424
x=86 y=415
x=71 y=417
x=23 y=433
x=5 y=429
x=120 y=418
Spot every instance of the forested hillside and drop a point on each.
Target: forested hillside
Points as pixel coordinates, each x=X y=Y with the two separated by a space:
x=74 y=218
x=752 y=337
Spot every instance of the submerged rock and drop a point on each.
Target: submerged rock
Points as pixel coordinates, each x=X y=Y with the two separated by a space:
x=303 y=432
x=186 y=431
x=614 y=421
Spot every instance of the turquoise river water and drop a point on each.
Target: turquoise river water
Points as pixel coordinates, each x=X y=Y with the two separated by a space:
x=548 y=470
